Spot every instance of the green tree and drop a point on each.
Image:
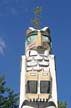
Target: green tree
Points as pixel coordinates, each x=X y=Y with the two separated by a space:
x=62 y=104
x=36 y=21
x=8 y=99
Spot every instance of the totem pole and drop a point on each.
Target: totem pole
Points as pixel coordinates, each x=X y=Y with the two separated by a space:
x=38 y=75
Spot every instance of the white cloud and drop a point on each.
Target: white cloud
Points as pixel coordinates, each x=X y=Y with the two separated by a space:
x=2 y=46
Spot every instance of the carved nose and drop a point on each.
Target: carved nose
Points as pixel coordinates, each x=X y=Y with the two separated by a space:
x=39 y=39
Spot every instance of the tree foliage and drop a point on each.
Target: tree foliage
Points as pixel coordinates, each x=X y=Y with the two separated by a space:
x=37 y=11
x=36 y=21
x=8 y=99
x=62 y=104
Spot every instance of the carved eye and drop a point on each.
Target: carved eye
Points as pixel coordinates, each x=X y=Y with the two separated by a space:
x=46 y=39
x=29 y=39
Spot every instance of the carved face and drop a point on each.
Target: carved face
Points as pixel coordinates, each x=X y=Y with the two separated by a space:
x=38 y=39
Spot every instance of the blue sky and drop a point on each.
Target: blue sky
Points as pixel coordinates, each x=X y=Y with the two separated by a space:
x=15 y=17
